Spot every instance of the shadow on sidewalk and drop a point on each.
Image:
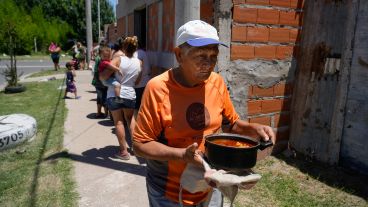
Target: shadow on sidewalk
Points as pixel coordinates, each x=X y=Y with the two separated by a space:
x=91 y=91
x=103 y=157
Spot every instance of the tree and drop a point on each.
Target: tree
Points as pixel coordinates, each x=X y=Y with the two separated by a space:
x=30 y=25
x=73 y=13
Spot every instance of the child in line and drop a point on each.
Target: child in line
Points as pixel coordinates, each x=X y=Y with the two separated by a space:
x=105 y=54
x=70 y=82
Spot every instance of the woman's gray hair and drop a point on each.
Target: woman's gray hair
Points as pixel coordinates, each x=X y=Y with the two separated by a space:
x=185 y=48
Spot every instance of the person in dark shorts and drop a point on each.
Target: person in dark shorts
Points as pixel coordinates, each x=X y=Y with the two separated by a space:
x=54 y=50
x=130 y=66
x=101 y=90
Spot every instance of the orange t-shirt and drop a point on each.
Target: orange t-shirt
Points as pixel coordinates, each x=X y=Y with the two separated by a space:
x=179 y=116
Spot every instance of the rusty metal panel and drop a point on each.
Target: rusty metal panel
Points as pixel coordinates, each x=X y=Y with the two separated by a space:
x=321 y=79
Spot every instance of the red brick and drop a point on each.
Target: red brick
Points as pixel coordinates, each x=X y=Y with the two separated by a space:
x=283 y=52
x=279 y=35
x=242 y=52
x=254 y=107
x=238 y=2
x=206 y=11
x=244 y=15
x=257 y=34
x=262 y=154
x=281 y=3
x=121 y=26
x=258 y=91
x=258 y=2
x=274 y=105
x=265 y=52
x=281 y=120
x=279 y=89
x=289 y=18
x=297 y=4
x=265 y=120
x=282 y=89
x=239 y=33
x=294 y=35
x=250 y=91
x=268 y=16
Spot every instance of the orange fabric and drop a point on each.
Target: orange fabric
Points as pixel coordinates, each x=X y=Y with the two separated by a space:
x=184 y=115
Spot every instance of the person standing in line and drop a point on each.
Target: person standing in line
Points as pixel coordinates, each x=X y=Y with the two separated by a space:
x=118 y=48
x=146 y=75
x=101 y=90
x=179 y=108
x=81 y=55
x=130 y=68
x=55 y=50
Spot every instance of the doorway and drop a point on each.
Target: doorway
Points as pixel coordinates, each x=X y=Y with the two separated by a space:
x=140 y=26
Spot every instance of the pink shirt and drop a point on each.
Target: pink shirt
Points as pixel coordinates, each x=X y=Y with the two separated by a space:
x=103 y=64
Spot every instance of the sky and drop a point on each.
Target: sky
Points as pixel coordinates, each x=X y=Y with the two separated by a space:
x=113 y=4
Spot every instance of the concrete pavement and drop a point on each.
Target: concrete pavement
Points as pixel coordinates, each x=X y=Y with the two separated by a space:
x=101 y=179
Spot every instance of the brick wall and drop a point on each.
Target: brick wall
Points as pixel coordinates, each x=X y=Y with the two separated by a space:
x=168 y=25
x=130 y=24
x=152 y=27
x=206 y=13
x=121 y=24
x=267 y=30
x=112 y=33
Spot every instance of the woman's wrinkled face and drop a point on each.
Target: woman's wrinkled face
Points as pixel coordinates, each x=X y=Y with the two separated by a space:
x=198 y=62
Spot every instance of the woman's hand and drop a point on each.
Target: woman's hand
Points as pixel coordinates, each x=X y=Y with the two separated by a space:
x=253 y=130
x=192 y=154
x=264 y=131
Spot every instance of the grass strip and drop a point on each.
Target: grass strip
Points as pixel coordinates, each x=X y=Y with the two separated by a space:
x=38 y=173
x=283 y=184
x=48 y=72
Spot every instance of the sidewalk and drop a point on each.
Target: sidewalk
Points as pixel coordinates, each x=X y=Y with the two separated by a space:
x=101 y=179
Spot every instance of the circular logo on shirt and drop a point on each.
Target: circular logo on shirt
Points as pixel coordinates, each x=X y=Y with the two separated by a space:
x=198 y=116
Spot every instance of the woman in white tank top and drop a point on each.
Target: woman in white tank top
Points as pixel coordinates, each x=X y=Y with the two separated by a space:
x=130 y=68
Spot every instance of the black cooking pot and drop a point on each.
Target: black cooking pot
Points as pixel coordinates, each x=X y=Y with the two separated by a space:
x=233 y=158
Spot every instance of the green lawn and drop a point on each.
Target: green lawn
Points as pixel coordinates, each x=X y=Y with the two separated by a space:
x=28 y=177
x=296 y=182
x=38 y=56
x=50 y=71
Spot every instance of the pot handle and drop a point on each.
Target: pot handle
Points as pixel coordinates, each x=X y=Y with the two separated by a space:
x=263 y=145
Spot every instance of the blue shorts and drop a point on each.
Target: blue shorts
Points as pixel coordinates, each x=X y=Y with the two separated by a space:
x=112 y=81
x=113 y=105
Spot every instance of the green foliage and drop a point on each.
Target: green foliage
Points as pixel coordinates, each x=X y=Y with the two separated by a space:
x=28 y=26
x=73 y=12
x=50 y=20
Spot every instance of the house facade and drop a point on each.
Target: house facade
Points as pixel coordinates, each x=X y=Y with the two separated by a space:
x=262 y=64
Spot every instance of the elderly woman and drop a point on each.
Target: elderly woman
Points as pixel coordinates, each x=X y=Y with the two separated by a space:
x=179 y=108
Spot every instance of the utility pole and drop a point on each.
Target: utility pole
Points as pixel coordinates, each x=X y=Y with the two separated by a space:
x=35 y=44
x=99 y=20
x=89 y=30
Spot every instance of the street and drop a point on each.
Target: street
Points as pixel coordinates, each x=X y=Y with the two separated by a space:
x=29 y=66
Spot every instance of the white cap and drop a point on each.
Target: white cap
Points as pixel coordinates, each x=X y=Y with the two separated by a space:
x=197 y=33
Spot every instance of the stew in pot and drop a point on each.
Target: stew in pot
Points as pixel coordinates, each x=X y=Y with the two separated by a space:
x=232 y=143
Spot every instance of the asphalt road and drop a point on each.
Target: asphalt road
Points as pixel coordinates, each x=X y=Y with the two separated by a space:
x=29 y=66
